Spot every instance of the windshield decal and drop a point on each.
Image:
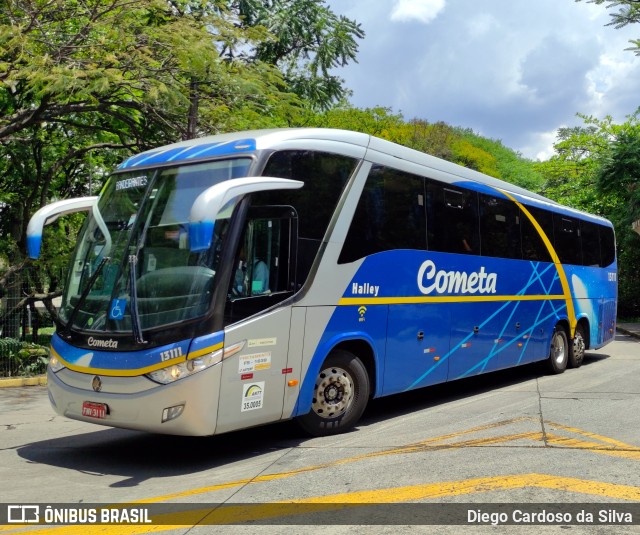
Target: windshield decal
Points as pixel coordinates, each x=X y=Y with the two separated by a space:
x=116 y=312
x=129 y=183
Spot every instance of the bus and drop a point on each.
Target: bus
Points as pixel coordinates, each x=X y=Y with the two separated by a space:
x=241 y=279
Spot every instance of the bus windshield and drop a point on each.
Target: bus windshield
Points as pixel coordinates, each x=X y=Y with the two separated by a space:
x=133 y=266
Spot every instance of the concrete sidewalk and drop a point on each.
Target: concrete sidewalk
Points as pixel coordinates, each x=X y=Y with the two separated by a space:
x=632 y=329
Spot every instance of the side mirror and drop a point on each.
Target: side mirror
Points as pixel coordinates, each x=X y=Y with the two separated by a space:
x=209 y=203
x=48 y=214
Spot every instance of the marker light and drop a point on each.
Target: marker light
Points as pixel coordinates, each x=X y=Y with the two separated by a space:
x=185 y=369
x=54 y=364
x=171 y=413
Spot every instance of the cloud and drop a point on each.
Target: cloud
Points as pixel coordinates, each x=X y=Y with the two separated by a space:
x=513 y=71
x=421 y=10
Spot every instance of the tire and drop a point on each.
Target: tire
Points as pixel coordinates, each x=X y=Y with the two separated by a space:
x=559 y=351
x=577 y=348
x=340 y=395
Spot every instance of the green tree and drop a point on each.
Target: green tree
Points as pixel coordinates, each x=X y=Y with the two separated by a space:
x=85 y=82
x=82 y=83
x=307 y=41
x=596 y=170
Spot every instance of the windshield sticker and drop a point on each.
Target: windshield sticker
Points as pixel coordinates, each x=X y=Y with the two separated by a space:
x=252 y=396
x=116 y=312
x=254 y=363
x=261 y=342
x=130 y=183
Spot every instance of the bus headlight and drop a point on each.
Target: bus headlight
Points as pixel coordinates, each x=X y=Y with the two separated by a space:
x=54 y=364
x=185 y=369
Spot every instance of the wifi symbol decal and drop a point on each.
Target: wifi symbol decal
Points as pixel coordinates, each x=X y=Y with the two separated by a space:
x=361 y=311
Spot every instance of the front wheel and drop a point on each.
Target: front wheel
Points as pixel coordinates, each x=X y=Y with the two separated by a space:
x=576 y=354
x=340 y=395
x=559 y=352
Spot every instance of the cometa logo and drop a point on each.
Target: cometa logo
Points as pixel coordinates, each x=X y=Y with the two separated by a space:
x=110 y=344
x=431 y=279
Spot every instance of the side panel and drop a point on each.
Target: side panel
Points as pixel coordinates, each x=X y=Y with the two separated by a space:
x=418 y=342
x=474 y=314
x=253 y=380
x=595 y=292
x=294 y=360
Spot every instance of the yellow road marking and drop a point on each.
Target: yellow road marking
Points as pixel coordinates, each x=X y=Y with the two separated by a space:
x=229 y=514
x=234 y=514
x=435 y=443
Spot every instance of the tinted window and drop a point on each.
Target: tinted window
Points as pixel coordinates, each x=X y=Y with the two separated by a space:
x=499 y=227
x=533 y=247
x=590 y=243
x=389 y=215
x=567 y=239
x=452 y=219
x=607 y=245
x=325 y=176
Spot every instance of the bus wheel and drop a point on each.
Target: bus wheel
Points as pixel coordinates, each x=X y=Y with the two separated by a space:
x=340 y=396
x=576 y=354
x=559 y=353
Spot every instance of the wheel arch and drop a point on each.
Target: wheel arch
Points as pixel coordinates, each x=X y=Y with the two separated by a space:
x=586 y=330
x=564 y=323
x=361 y=345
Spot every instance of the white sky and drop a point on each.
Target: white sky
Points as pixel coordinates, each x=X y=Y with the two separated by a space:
x=513 y=70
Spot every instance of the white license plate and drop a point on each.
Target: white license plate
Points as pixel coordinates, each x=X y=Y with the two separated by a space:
x=94 y=410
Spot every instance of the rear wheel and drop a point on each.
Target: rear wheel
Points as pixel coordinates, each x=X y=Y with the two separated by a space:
x=576 y=355
x=559 y=352
x=340 y=395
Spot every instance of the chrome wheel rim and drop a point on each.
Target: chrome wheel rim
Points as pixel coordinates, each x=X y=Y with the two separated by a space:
x=559 y=349
x=333 y=394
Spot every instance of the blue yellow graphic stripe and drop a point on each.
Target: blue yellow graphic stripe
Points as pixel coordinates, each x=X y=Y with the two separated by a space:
x=556 y=260
x=138 y=371
x=349 y=301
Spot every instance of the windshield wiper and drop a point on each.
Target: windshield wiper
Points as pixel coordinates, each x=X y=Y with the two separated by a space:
x=133 y=290
x=83 y=296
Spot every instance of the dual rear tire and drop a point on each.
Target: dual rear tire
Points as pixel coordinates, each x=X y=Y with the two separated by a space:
x=564 y=354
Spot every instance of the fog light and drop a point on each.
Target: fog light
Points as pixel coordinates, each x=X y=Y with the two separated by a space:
x=171 y=413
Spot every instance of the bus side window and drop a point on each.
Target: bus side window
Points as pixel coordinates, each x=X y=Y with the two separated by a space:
x=607 y=245
x=265 y=263
x=325 y=176
x=499 y=227
x=590 y=244
x=567 y=239
x=452 y=219
x=533 y=247
x=390 y=215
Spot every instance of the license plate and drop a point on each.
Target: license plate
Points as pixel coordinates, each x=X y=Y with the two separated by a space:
x=94 y=410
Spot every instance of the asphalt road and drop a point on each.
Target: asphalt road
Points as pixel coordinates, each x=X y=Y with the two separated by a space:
x=518 y=437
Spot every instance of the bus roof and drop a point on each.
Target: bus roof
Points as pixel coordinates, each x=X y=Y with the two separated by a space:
x=255 y=140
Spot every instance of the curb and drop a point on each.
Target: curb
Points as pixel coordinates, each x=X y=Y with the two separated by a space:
x=633 y=334
x=13 y=382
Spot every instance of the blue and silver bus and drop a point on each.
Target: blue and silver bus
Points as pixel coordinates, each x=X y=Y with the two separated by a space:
x=246 y=278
